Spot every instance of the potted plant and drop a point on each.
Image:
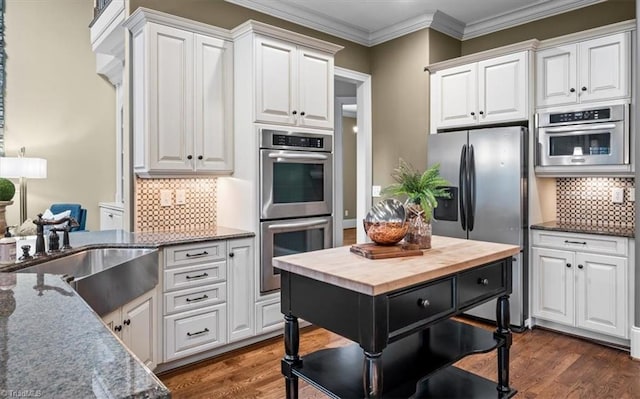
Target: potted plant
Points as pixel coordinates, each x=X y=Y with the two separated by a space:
x=422 y=191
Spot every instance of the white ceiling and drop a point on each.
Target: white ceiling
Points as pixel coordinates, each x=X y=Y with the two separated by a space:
x=370 y=22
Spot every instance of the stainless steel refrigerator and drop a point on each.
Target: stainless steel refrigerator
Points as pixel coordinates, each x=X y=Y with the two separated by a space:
x=487 y=169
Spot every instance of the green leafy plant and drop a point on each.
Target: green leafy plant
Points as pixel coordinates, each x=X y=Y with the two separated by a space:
x=7 y=189
x=419 y=188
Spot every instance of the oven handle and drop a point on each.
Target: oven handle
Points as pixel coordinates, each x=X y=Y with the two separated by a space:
x=296 y=225
x=578 y=128
x=298 y=156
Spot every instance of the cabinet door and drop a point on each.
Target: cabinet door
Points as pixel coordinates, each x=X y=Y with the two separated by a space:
x=240 y=300
x=553 y=285
x=139 y=327
x=315 y=88
x=276 y=74
x=604 y=68
x=601 y=298
x=113 y=320
x=170 y=98
x=502 y=89
x=556 y=76
x=213 y=104
x=110 y=219
x=455 y=96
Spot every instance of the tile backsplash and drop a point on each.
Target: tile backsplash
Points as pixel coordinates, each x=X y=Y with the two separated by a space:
x=198 y=213
x=588 y=201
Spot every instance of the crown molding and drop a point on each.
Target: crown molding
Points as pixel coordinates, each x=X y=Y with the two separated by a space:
x=258 y=27
x=438 y=20
x=142 y=15
x=523 y=15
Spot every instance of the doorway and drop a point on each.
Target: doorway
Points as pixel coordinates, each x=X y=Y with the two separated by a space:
x=352 y=109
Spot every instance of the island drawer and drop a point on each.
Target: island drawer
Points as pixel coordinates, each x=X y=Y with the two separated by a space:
x=203 y=252
x=194 y=298
x=480 y=283
x=421 y=304
x=194 y=276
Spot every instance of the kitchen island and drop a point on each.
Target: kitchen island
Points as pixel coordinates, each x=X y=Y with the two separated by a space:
x=397 y=311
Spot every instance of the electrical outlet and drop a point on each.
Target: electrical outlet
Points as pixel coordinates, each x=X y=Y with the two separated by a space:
x=617 y=195
x=181 y=197
x=346 y=212
x=631 y=195
x=165 y=198
x=375 y=191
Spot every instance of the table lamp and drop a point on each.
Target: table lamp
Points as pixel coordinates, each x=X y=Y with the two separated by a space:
x=23 y=168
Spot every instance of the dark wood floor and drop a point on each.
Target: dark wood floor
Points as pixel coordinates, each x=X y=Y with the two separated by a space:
x=544 y=364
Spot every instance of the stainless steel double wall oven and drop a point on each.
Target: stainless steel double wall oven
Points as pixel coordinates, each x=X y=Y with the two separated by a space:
x=296 y=197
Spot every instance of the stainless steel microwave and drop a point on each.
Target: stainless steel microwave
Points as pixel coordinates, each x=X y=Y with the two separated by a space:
x=598 y=135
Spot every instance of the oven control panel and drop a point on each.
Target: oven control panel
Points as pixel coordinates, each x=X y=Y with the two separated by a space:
x=297 y=141
x=587 y=115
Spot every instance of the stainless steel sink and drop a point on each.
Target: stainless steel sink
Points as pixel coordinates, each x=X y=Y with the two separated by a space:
x=106 y=278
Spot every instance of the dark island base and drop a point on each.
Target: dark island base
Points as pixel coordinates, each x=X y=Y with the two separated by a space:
x=415 y=366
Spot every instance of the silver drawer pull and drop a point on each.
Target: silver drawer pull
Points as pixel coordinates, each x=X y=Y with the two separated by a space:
x=483 y=281
x=575 y=242
x=197 y=299
x=423 y=303
x=206 y=330
x=203 y=275
x=203 y=253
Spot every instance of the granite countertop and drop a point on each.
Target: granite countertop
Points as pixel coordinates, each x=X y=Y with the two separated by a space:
x=120 y=238
x=54 y=346
x=619 y=231
x=446 y=256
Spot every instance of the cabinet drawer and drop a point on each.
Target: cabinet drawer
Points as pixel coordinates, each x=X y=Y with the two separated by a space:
x=201 y=253
x=191 y=332
x=195 y=276
x=195 y=298
x=581 y=242
x=481 y=283
x=420 y=303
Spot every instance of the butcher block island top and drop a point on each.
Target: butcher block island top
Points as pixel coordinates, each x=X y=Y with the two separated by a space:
x=340 y=267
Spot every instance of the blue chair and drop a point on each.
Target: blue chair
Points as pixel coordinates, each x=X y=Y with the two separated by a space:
x=77 y=212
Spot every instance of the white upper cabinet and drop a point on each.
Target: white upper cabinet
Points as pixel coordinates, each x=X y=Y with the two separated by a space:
x=294 y=84
x=182 y=87
x=591 y=70
x=493 y=90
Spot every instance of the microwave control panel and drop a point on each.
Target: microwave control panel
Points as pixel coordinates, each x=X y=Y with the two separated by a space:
x=297 y=141
x=586 y=116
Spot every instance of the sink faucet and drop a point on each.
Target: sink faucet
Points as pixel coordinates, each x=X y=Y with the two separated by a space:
x=53 y=239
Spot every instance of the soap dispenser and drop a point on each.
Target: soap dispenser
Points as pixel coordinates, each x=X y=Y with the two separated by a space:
x=7 y=249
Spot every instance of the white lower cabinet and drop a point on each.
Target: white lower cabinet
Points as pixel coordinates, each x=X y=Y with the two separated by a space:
x=135 y=323
x=268 y=316
x=208 y=296
x=579 y=287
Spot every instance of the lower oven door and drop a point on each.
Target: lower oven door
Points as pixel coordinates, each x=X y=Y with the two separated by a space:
x=592 y=144
x=290 y=236
x=295 y=183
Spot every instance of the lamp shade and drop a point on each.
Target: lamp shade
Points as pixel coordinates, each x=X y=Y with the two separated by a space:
x=32 y=168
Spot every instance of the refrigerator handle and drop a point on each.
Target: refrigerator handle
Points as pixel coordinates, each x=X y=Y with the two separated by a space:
x=462 y=177
x=471 y=189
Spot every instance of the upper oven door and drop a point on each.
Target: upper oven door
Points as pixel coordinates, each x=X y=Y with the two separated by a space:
x=295 y=183
x=588 y=144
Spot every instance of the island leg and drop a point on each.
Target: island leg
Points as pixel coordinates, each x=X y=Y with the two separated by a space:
x=503 y=321
x=291 y=358
x=372 y=376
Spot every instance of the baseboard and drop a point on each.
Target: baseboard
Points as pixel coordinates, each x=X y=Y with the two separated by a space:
x=348 y=223
x=635 y=342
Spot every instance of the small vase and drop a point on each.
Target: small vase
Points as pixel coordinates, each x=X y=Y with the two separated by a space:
x=419 y=232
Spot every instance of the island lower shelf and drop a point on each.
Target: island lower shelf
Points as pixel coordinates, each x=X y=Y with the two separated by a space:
x=418 y=365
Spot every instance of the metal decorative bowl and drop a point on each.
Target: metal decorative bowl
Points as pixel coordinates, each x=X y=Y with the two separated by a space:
x=386 y=222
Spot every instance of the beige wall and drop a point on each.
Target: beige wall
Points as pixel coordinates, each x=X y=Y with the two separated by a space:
x=57 y=106
x=349 y=167
x=600 y=14
x=400 y=104
x=228 y=16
